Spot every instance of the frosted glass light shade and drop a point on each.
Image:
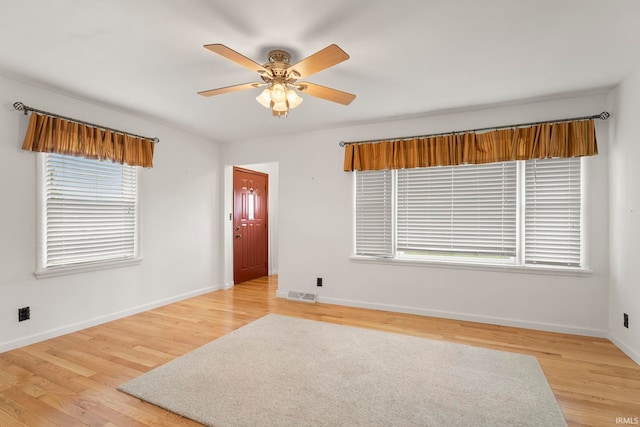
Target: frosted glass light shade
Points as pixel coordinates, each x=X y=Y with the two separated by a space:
x=278 y=93
x=293 y=98
x=280 y=106
x=264 y=98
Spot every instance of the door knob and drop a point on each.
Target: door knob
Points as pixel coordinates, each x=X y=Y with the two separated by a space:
x=238 y=236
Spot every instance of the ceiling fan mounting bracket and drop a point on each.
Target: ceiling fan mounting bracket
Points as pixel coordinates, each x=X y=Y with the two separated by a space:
x=279 y=56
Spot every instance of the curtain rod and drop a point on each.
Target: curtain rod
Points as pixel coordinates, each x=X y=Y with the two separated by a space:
x=21 y=107
x=602 y=116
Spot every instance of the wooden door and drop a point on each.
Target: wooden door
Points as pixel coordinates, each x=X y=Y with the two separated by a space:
x=250 y=221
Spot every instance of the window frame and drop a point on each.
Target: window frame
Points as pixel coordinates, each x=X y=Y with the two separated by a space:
x=41 y=270
x=518 y=263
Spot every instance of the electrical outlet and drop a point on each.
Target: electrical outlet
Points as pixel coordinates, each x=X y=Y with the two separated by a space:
x=319 y=282
x=24 y=313
x=625 y=321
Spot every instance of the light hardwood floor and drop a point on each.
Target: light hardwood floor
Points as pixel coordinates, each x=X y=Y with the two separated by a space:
x=71 y=380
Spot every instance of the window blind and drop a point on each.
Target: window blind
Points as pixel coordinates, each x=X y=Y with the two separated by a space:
x=458 y=210
x=552 y=212
x=374 y=213
x=90 y=208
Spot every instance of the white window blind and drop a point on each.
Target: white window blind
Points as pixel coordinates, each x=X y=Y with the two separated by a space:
x=374 y=213
x=458 y=210
x=89 y=211
x=524 y=213
x=552 y=212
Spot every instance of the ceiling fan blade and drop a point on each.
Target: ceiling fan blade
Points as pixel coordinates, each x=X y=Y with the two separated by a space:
x=236 y=57
x=327 y=93
x=228 y=89
x=323 y=59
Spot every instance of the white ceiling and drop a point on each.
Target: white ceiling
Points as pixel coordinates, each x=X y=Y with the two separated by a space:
x=408 y=57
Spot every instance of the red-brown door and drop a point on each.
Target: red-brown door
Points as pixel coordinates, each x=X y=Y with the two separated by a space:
x=250 y=260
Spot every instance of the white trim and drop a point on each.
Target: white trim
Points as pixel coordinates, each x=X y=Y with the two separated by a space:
x=521 y=181
x=585 y=244
x=63 y=271
x=625 y=348
x=541 y=326
x=52 y=333
x=41 y=215
x=554 y=271
x=229 y=285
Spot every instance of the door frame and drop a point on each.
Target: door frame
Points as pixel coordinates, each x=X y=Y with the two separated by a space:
x=225 y=220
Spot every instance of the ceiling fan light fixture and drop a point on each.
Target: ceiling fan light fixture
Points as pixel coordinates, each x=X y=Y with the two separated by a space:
x=279 y=99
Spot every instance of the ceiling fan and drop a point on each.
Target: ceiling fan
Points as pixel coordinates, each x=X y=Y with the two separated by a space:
x=281 y=78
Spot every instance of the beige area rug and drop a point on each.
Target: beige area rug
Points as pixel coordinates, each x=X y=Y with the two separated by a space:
x=284 y=371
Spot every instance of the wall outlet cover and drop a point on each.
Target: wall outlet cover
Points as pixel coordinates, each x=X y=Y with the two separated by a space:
x=625 y=320
x=24 y=313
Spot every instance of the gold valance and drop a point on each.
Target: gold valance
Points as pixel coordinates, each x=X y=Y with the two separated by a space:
x=546 y=140
x=49 y=134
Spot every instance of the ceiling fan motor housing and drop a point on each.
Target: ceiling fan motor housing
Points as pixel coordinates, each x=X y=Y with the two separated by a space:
x=278 y=66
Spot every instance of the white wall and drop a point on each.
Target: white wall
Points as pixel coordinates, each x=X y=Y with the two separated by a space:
x=180 y=222
x=316 y=231
x=183 y=217
x=624 y=213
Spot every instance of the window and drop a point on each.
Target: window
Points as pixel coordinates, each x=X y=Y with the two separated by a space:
x=525 y=213
x=88 y=214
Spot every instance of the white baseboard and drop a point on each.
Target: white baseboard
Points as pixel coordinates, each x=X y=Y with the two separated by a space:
x=549 y=327
x=625 y=348
x=52 y=333
x=228 y=285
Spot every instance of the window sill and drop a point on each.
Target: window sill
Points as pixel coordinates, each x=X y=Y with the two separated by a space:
x=63 y=271
x=554 y=271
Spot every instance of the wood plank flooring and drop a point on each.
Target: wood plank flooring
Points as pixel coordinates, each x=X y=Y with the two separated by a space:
x=71 y=380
